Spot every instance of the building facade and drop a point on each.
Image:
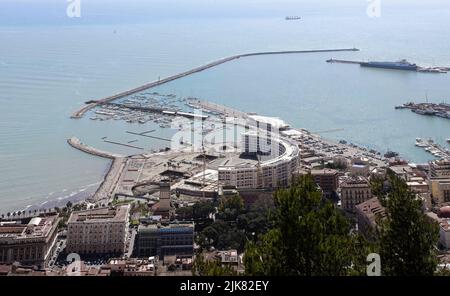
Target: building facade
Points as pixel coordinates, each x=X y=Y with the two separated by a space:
x=440 y=190
x=444 y=233
x=165 y=240
x=163 y=207
x=368 y=213
x=98 y=231
x=29 y=243
x=327 y=180
x=440 y=169
x=272 y=172
x=353 y=192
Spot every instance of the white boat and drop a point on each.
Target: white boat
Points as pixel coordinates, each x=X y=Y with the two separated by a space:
x=420 y=143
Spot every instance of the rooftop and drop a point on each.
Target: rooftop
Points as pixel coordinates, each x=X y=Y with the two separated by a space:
x=170 y=228
x=35 y=228
x=275 y=122
x=372 y=209
x=113 y=214
x=324 y=172
x=355 y=182
x=401 y=169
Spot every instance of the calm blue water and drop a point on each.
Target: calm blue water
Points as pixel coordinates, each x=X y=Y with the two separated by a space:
x=50 y=65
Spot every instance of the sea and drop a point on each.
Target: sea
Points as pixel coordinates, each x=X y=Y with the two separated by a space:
x=51 y=64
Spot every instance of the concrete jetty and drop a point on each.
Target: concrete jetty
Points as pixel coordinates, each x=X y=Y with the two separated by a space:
x=153 y=137
x=79 y=113
x=77 y=144
x=106 y=189
x=344 y=61
x=123 y=144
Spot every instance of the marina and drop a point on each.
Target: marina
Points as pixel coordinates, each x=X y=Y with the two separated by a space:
x=433 y=148
x=145 y=107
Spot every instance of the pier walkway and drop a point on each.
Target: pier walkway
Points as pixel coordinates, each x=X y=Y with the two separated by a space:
x=92 y=104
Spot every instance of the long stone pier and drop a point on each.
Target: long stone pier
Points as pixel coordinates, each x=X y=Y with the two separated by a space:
x=79 y=113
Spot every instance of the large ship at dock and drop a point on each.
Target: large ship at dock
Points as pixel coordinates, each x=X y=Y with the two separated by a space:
x=400 y=65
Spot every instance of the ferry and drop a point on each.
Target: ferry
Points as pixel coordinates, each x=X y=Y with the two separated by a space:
x=400 y=65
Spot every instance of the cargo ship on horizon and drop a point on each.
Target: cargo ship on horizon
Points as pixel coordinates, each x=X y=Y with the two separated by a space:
x=293 y=18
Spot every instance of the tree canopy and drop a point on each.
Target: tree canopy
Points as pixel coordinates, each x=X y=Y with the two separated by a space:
x=407 y=237
x=310 y=237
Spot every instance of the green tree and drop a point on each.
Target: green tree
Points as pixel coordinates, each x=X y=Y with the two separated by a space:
x=199 y=211
x=407 y=237
x=221 y=235
x=184 y=213
x=310 y=237
x=202 y=210
x=213 y=267
x=230 y=207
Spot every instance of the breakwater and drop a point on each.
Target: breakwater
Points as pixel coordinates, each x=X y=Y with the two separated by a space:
x=93 y=103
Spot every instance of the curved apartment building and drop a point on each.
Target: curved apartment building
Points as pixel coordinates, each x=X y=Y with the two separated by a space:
x=279 y=160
